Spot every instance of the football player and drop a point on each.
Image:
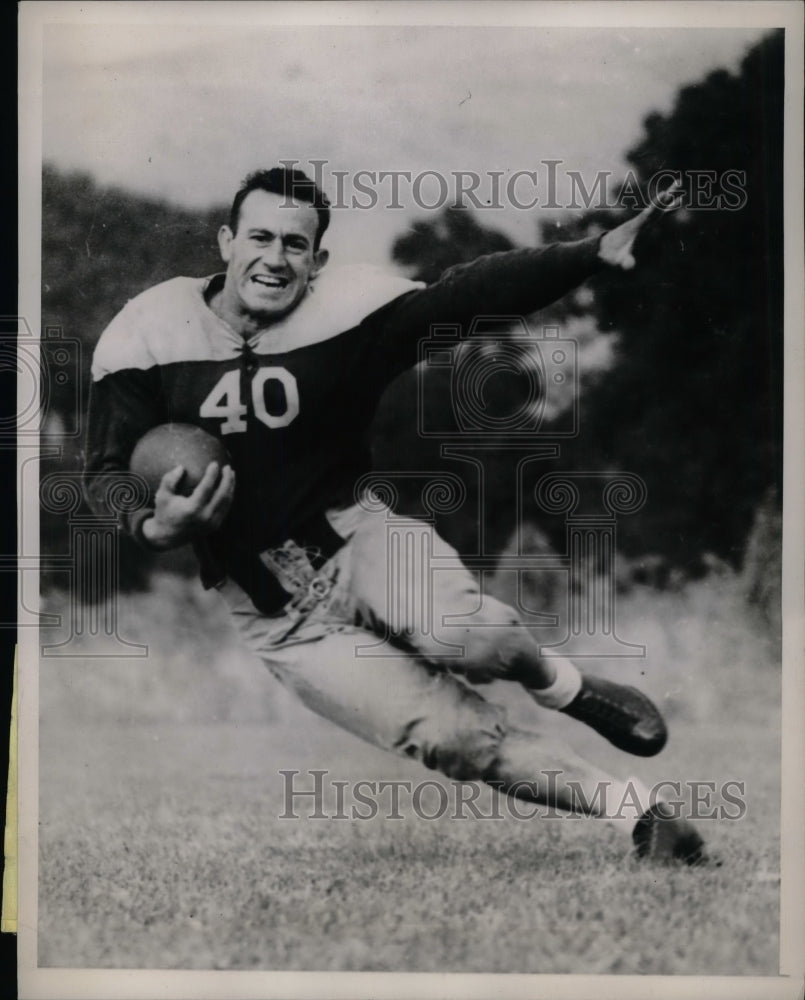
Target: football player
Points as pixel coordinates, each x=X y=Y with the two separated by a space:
x=285 y=360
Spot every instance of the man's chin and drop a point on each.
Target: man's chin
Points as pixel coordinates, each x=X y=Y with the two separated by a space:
x=274 y=309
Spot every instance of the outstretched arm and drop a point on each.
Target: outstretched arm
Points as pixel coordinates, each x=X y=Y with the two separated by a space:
x=513 y=283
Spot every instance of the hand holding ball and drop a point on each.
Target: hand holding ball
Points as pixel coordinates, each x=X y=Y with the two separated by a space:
x=190 y=496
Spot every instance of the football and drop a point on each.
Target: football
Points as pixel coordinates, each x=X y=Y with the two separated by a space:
x=169 y=445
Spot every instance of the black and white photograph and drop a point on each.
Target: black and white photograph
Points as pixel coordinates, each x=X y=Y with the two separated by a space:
x=410 y=474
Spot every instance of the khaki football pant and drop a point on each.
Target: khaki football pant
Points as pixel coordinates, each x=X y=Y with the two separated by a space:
x=390 y=649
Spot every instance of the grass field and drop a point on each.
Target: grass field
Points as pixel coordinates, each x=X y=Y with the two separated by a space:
x=161 y=846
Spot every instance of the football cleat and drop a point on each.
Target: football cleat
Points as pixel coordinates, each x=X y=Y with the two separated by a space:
x=621 y=714
x=663 y=836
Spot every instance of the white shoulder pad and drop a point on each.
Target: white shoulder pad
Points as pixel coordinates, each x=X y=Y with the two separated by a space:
x=167 y=323
x=355 y=291
x=339 y=299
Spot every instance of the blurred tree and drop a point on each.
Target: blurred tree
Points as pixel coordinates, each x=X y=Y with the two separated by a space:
x=694 y=401
x=454 y=237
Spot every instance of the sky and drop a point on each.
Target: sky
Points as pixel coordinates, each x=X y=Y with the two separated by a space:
x=185 y=111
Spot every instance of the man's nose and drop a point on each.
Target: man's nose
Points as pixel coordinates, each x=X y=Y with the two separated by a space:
x=274 y=254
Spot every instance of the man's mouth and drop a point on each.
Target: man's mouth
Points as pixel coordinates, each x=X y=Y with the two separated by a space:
x=270 y=281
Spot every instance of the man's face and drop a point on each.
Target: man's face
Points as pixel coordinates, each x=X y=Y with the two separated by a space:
x=270 y=258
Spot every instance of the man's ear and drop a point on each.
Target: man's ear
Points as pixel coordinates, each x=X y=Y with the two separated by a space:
x=320 y=258
x=225 y=237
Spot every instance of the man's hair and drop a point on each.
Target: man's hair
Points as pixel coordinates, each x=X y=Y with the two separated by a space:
x=293 y=185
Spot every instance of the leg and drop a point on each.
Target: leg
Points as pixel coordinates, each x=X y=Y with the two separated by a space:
x=395 y=588
x=402 y=704
x=390 y=698
x=571 y=784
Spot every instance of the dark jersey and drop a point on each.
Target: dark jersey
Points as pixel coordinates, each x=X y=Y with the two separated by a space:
x=293 y=404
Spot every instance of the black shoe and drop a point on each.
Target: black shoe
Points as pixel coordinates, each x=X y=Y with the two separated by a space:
x=663 y=836
x=621 y=714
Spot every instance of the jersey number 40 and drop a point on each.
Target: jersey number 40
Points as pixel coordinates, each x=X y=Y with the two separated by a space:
x=224 y=402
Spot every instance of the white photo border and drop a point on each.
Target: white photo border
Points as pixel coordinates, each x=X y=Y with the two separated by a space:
x=36 y=983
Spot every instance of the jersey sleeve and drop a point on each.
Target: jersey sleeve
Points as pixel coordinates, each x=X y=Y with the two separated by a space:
x=512 y=283
x=125 y=402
